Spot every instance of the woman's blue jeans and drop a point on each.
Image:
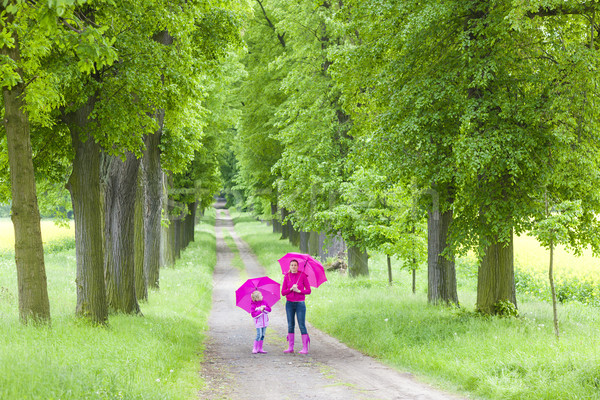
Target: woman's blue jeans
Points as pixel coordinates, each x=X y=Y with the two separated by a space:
x=260 y=333
x=297 y=308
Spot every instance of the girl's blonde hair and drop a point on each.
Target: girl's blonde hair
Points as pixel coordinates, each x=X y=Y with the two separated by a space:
x=256 y=296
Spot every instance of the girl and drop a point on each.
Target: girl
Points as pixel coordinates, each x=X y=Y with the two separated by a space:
x=295 y=287
x=260 y=311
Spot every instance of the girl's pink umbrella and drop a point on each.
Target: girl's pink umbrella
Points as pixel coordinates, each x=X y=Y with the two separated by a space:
x=268 y=287
x=311 y=267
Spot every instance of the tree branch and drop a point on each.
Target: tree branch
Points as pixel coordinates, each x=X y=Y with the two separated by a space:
x=71 y=27
x=561 y=10
x=280 y=37
x=82 y=16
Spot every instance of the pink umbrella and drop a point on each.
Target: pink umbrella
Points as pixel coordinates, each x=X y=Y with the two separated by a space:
x=311 y=267
x=268 y=287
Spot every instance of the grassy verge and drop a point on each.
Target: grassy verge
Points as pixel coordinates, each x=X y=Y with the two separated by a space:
x=151 y=357
x=491 y=358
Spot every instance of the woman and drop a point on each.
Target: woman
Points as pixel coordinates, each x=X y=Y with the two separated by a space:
x=295 y=287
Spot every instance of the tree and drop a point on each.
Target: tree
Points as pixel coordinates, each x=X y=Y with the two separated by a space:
x=311 y=126
x=257 y=148
x=386 y=215
x=558 y=227
x=29 y=253
x=397 y=89
x=84 y=185
x=524 y=107
x=149 y=79
x=462 y=99
x=43 y=29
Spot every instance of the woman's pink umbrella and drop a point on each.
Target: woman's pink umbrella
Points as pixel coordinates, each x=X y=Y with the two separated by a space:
x=268 y=287
x=311 y=267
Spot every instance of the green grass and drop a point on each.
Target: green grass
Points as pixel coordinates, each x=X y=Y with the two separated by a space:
x=156 y=356
x=486 y=357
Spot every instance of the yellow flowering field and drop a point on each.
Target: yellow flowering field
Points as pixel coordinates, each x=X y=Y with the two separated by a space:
x=50 y=232
x=533 y=259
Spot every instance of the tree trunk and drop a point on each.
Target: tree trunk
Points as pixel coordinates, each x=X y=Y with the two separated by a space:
x=294 y=236
x=29 y=251
x=153 y=178
x=551 y=274
x=331 y=246
x=496 y=277
x=389 y=265
x=304 y=242
x=185 y=229
x=191 y=221
x=173 y=233
x=274 y=218
x=176 y=240
x=285 y=225
x=441 y=271
x=192 y=207
x=414 y=281
x=166 y=244
x=121 y=178
x=553 y=290
x=169 y=243
x=165 y=237
x=84 y=185
x=313 y=244
x=141 y=280
x=187 y=225
x=154 y=189
x=358 y=262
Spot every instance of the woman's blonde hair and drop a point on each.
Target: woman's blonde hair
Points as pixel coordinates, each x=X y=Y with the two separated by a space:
x=256 y=296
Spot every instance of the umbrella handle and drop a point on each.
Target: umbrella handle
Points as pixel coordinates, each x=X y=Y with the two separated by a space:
x=303 y=269
x=298 y=279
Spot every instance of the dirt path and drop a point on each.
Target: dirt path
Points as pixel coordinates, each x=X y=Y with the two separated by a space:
x=331 y=370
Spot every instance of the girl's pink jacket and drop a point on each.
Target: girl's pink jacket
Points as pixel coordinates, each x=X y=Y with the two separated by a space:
x=261 y=318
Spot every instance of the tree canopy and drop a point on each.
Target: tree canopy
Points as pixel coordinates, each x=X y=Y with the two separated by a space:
x=384 y=122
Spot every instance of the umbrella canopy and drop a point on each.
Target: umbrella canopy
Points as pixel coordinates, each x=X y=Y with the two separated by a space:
x=268 y=287
x=311 y=267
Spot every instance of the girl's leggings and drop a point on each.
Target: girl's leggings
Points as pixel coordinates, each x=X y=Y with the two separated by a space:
x=297 y=308
x=260 y=333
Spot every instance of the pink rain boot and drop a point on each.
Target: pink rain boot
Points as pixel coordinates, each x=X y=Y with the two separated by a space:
x=255 y=349
x=260 y=349
x=290 y=339
x=305 y=344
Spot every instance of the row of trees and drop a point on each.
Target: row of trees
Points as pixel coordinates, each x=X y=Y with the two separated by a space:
x=121 y=102
x=425 y=128
x=422 y=128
